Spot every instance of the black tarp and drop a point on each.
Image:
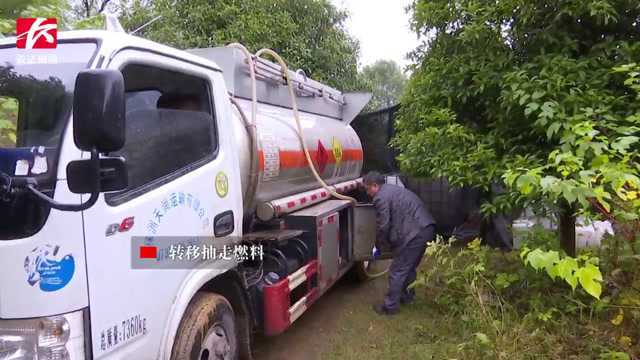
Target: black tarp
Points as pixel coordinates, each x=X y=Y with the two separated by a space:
x=450 y=206
x=375 y=130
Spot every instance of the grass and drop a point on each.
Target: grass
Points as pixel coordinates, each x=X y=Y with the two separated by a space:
x=417 y=332
x=429 y=329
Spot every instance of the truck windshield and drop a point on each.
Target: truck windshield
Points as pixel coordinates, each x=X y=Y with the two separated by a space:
x=36 y=98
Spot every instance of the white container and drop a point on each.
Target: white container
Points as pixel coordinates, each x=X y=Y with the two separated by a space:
x=520 y=229
x=591 y=235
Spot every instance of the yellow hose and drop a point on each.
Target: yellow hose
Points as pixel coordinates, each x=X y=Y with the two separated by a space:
x=251 y=190
x=294 y=105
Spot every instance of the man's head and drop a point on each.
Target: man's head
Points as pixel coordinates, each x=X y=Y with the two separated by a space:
x=372 y=182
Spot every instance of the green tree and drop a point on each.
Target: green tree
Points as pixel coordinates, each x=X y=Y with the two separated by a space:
x=386 y=81
x=10 y=10
x=309 y=34
x=83 y=9
x=62 y=10
x=531 y=92
x=70 y=14
x=8 y=121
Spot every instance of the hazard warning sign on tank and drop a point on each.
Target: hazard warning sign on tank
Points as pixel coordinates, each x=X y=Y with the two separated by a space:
x=337 y=150
x=321 y=157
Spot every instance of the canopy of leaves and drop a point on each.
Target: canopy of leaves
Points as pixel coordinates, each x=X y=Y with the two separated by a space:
x=79 y=14
x=531 y=91
x=386 y=81
x=8 y=121
x=309 y=34
x=10 y=10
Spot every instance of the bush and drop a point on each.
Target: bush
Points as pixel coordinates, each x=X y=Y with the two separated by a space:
x=514 y=309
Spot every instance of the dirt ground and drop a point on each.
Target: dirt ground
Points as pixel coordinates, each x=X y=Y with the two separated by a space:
x=315 y=332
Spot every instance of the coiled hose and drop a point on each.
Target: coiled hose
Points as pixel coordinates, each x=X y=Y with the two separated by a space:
x=296 y=116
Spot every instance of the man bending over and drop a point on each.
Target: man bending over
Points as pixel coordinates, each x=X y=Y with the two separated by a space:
x=405 y=226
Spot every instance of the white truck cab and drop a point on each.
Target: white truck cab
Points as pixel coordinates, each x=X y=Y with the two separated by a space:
x=110 y=137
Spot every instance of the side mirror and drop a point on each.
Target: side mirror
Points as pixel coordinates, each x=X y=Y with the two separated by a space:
x=112 y=174
x=99 y=111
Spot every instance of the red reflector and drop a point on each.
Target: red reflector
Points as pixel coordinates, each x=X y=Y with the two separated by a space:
x=148 y=252
x=323 y=194
x=291 y=204
x=303 y=200
x=314 y=197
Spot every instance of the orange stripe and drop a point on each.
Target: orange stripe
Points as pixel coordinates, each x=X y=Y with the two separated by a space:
x=292 y=159
x=261 y=159
x=352 y=154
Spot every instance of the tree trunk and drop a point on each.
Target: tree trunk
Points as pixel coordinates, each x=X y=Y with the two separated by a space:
x=567 y=229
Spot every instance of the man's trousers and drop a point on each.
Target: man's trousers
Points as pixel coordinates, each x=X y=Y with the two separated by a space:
x=403 y=269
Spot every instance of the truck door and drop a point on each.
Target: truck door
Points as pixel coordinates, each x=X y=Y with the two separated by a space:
x=364 y=237
x=364 y=233
x=182 y=179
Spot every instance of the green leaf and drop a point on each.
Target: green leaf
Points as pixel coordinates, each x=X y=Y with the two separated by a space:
x=572 y=281
x=547 y=110
x=536 y=259
x=482 y=338
x=550 y=259
x=526 y=183
x=552 y=129
x=622 y=144
x=548 y=182
x=614 y=355
x=599 y=161
x=552 y=272
x=590 y=278
x=537 y=95
x=504 y=280
x=531 y=107
x=567 y=192
x=565 y=269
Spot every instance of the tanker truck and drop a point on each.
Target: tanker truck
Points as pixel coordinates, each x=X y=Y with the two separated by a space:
x=111 y=143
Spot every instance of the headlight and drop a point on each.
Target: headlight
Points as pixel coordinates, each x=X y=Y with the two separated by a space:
x=58 y=337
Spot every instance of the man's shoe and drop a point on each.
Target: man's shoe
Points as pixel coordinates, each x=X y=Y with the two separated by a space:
x=382 y=310
x=408 y=297
x=407 y=300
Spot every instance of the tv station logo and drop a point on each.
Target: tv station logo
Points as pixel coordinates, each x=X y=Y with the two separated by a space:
x=36 y=33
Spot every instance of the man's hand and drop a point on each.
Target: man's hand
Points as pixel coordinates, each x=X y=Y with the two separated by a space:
x=382 y=245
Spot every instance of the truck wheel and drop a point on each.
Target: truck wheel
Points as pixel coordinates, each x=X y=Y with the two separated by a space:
x=368 y=270
x=207 y=330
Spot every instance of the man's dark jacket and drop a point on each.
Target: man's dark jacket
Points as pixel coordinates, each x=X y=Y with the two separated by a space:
x=400 y=216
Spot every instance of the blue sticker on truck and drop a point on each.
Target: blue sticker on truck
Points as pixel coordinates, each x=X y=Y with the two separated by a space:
x=47 y=267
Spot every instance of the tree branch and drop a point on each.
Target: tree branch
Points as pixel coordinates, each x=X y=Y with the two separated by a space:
x=103 y=6
x=87 y=8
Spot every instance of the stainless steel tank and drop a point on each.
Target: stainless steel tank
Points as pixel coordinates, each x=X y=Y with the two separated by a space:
x=334 y=147
x=325 y=115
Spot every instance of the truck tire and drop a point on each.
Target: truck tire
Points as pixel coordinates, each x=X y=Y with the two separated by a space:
x=369 y=270
x=207 y=330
